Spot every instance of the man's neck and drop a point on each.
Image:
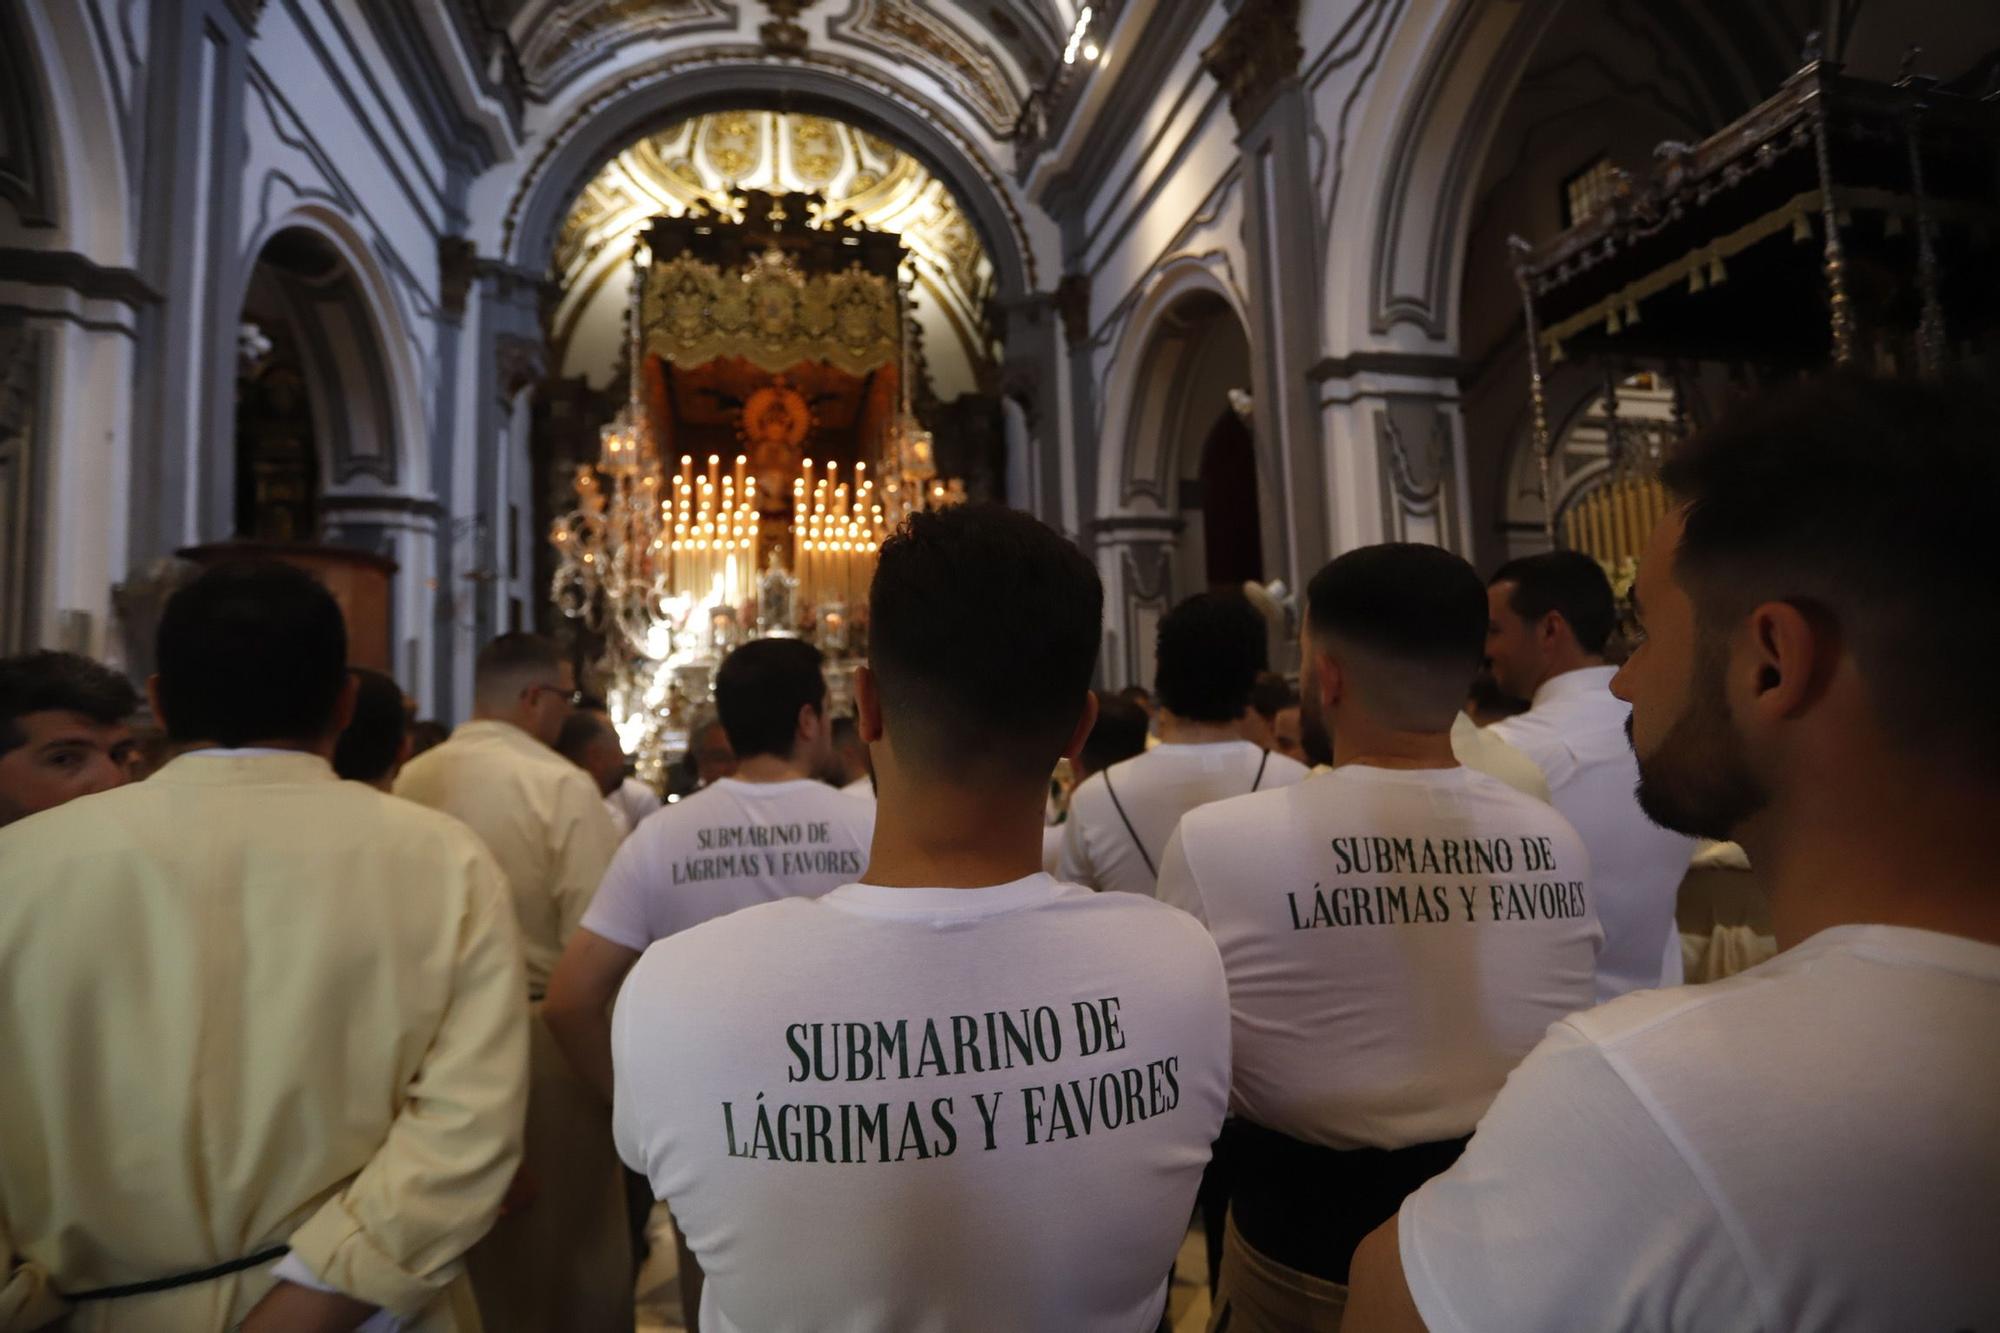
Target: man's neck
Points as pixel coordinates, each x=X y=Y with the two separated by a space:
x=1180 y=731
x=1900 y=849
x=770 y=768
x=1371 y=746
x=931 y=834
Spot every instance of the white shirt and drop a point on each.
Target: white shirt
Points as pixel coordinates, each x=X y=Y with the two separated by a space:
x=863 y=786
x=1050 y=1067
x=619 y=819
x=728 y=846
x=1576 y=733
x=635 y=800
x=1155 y=789
x=1395 y=942
x=1479 y=748
x=1806 y=1145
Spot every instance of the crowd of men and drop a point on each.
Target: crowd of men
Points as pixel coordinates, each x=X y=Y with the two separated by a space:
x=309 y=1030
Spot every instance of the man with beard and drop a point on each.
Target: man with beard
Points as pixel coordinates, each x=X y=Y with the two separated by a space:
x=1808 y=1144
x=1397 y=933
x=1550 y=617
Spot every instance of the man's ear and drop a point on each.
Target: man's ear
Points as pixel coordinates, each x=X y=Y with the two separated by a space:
x=867 y=706
x=1788 y=659
x=812 y=721
x=1084 y=725
x=1326 y=677
x=1550 y=630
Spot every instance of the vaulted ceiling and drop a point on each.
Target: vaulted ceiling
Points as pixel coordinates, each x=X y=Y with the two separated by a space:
x=992 y=53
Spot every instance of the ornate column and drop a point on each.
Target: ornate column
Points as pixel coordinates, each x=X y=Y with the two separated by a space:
x=1031 y=377
x=1135 y=558
x=1256 y=60
x=1395 y=449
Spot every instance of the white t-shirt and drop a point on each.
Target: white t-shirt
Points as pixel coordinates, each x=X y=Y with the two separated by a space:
x=928 y=1109
x=635 y=799
x=1395 y=942
x=728 y=846
x=863 y=786
x=1807 y=1145
x=1576 y=733
x=1155 y=789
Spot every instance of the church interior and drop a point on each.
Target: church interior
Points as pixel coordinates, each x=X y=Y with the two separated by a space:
x=644 y=324
x=1218 y=289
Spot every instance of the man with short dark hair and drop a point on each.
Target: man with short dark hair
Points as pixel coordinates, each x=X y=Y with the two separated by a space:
x=996 y=1091
x=848 y=767
x=589 y=741
x=65 y=731
x=564 y=1260
x=1209 y=653
x=246 y=1006
x=771 y=831
x=1549 y=617
x=1397 y=934
x=1808 y=1144
x=1271 y=695
x=376 y=743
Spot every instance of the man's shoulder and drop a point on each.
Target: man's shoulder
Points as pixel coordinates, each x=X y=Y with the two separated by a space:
x=1245 y=820
x=1282 y=771
x=768 y=932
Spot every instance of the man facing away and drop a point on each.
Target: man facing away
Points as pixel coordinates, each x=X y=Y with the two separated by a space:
x=1209 y=651
x=847 y=766
x=65 y=731
x=561 y=1256
x=376 y=743
x=1397 y=934
x=248 y=1006
x=1550 y=616
x=1808 y=1144
x=589 y=741
x=958 y=1094
x=771 y=831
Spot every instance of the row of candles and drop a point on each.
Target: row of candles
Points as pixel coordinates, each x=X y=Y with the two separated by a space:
x=710 y=531
x=837 y=530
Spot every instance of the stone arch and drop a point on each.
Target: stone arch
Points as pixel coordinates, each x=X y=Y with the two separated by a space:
x=644 y=102
x=1185 y=347
x=365 y=366
x=1417 y=181
x=67 y=92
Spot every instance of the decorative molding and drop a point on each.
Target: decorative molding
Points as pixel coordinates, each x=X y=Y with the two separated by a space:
x=1413 y=441
x=572 y=36
x=901 y=29
x=651 y=96
x=1443 y=211
x=73 y=272
x=458 y=263
x=1420 y=365
x=1258 y=50
x=418 y=506
x=783 y=35
x=517 y=364
x=1072 y=301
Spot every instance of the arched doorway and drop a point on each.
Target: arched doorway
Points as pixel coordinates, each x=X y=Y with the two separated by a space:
x=1185 y=499
x=314 y=409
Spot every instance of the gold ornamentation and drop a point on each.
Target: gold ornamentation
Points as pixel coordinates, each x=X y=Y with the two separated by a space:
x=770 y=315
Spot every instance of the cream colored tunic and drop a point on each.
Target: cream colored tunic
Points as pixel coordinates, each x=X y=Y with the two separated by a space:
x=245 y=1004
x=538 y=813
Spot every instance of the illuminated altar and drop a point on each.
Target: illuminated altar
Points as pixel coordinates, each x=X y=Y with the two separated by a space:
x=767 y=447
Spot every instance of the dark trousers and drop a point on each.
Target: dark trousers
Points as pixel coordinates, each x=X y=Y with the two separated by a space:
x=1308 y=1207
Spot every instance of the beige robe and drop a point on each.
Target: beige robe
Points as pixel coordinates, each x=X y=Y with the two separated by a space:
x=563 y=1260
x=538 y=813
x=246 y=1004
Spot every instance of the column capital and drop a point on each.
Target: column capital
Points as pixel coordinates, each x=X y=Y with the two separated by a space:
x=1258 y=52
